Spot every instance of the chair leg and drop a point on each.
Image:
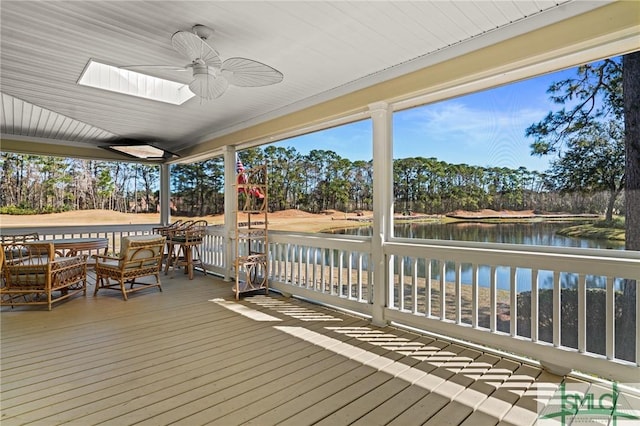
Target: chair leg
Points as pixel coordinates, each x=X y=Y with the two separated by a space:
x=178 y=253
x=170 y=257
x=200 y=262
x=189 y=256
x=123 y=289
x=157 y=275
x=165 y=255
x=98 y=284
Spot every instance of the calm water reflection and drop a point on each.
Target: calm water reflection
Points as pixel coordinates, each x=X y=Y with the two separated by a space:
x=537 y=233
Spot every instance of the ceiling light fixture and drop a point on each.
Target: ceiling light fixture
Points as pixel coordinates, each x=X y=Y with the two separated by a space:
x=142 y=151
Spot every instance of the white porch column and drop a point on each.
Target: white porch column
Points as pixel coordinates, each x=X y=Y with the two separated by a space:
x=230 y=207
x=165 y=195
x=381 y=116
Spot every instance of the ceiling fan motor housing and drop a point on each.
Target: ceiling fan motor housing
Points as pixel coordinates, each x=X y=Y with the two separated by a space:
x=200 y=69
x=207 y=82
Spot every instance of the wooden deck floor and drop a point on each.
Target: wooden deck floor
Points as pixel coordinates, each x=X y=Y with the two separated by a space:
x=191 y=355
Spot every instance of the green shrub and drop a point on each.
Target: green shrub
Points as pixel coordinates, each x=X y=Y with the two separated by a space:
x=16 y=210
x=21 y=210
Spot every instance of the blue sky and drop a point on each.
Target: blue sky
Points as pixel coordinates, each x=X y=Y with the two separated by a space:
x=481 y=129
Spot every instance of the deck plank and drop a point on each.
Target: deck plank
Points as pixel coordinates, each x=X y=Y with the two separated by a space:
x=180 y=357
x=387 y=411
x=359 y=407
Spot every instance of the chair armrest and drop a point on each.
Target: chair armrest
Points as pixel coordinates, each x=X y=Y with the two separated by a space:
x=104 y=258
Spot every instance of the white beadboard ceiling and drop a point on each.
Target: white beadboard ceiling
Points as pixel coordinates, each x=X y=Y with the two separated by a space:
x=324 y=49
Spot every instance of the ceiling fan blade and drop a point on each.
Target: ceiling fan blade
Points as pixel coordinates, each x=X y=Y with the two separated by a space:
x=249 y=73
x=207 y=85
x=195 y=48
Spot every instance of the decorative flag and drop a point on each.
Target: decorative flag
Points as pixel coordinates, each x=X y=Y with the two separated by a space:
x=243 y=179
x=239 y=165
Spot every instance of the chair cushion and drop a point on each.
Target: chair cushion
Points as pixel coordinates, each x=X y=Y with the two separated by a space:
x=28 y=278
x=129 y=251
x=108 y=263
x=125 y=242
x=184 y=239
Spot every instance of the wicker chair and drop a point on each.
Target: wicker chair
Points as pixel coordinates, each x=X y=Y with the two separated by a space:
x=188 y=239
x=140 y=256
x=165 y=230
x=32 y=275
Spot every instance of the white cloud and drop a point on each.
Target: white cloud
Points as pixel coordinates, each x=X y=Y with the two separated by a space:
x=456 y=132
x=472 y=127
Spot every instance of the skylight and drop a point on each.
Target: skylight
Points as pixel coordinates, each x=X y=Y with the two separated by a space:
x=139 y=151
x=119 y=80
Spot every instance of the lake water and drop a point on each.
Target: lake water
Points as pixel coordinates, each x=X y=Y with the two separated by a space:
x=534 y=233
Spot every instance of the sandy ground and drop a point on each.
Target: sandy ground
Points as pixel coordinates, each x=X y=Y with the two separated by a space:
x=287 y=220
x=488 y=213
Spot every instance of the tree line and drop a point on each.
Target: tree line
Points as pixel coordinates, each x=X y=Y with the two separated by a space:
x=44 y=184
x=314 y=182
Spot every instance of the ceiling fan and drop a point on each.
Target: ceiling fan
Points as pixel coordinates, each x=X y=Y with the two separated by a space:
x=211 y=75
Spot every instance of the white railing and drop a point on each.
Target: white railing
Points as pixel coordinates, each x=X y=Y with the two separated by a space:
x=212 y=249
x=555 y=305
x=559 y=306
x=329 y=268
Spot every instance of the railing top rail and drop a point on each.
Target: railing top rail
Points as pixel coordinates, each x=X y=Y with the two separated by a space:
x=53 y=230
x=470 y=246
x=616 y=263
x=352 y=242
